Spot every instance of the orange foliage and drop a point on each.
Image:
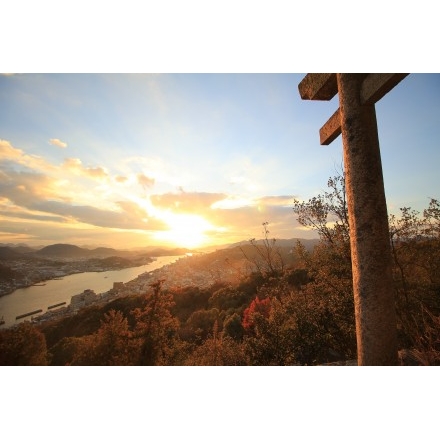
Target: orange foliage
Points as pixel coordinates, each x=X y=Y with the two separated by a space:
x=257 y=306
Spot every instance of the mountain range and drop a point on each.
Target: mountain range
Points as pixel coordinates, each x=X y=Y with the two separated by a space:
x=63 y=250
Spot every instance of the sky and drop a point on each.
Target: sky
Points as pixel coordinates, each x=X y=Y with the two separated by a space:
x=120 y=159
x=130 y=160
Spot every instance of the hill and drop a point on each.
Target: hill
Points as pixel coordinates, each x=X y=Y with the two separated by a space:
x=72 y=251
x=63 y=251
x=6 y=253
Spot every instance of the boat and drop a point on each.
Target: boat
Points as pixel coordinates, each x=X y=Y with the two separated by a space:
x=37 y=285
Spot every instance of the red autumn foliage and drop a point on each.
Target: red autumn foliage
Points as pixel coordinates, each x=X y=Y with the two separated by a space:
x=257 y=306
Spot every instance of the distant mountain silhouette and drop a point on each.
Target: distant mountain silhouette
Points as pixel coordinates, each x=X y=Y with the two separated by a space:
x=20 y=248
x=72 y=251
x=63 y=250
x=6 y=253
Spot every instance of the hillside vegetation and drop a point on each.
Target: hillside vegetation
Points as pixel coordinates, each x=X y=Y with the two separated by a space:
x=296 y=312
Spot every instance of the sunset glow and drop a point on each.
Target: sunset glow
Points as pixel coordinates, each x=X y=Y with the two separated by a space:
x=186 y=160
x=186 y=230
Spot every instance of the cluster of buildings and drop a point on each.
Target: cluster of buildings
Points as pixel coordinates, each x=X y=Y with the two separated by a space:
x=33 y=271
x=29 y=273
x=185 y=272
x=79 y=301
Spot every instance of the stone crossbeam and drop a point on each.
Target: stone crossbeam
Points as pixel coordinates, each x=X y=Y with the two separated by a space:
x=318 y=86
x=374 y=87
x=331 y=129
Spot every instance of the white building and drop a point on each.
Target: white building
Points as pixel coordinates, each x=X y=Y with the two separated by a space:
x=82 y=299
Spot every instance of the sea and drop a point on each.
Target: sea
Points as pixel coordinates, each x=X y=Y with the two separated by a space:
x=56 y=291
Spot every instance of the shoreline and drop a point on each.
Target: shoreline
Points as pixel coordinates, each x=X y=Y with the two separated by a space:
x=22 y=300
x=12 y=289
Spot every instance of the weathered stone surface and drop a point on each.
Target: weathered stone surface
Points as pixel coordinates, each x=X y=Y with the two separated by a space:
x=331 y=129
x=318 y=86
x=369 y=234
x=376 y=85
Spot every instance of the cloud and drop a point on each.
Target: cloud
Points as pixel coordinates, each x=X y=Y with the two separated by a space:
x=24 y=188
x=132 y=208
x=50 y=210
x=235 y=202
x=233 y=215
x=145 y=181
x=158 y=169
x=100 y=217
x=17 y=213
x=247 y=220
x=38 y=193
x=244 y=216
x=121 y=179
x=232 y=202
x=183 y=202
x=75 y=165
x=57 y=143
x=285 y=201
x=36 y=196
x=98 y=173
x=8 y=153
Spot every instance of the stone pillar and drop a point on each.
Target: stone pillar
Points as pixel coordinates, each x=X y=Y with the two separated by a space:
x=369 y=234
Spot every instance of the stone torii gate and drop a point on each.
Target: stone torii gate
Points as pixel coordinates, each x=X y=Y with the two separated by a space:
x=368 y=219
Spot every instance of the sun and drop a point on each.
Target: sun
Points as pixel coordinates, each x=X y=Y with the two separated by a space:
x=185 y=230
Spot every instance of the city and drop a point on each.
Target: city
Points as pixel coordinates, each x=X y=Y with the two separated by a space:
x=202 y=270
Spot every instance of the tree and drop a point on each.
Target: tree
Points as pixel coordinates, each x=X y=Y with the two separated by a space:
x=266 y=256
x=328 y=266
x=258 y=308
x=112 y=344
x=325 y=316
x=218 y=349
x=233 y=327
x=156 y=328
x=201 y=323
x=327 y=213
x=22 y=345
x=415 y=245
x=227 y=298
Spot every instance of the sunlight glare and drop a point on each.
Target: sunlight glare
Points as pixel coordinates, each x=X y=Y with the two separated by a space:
x=186 y=230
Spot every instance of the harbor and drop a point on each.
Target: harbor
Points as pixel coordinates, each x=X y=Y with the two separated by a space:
x=57 y=291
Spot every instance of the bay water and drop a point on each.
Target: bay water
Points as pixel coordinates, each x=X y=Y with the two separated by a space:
x=53 y=292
